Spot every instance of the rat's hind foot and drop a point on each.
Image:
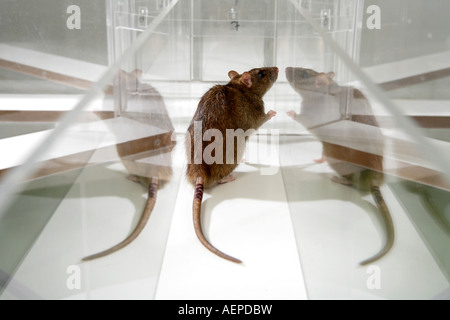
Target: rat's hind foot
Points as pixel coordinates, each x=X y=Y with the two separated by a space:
x=342 y=180
x=321 y=160
x=134 y=178
x=228 y=178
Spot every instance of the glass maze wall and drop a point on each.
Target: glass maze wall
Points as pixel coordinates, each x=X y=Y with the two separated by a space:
x=91 y=91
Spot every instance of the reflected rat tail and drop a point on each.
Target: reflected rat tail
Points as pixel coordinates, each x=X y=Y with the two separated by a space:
x=196 y=209
x=151 y=200
x=389 y=225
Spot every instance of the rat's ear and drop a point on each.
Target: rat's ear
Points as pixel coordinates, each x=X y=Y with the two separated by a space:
x=232 y=74
x=247 y=79
x=321 y=80
x=331 y=75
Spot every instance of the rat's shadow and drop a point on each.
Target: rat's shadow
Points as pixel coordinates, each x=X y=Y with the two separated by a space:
x=432 y=200
x=310 y=187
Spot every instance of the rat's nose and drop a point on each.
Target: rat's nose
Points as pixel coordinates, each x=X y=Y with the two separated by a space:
x=276 y=70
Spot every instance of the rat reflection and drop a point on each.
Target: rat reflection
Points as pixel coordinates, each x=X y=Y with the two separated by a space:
x=342 y=119
x=148 y=159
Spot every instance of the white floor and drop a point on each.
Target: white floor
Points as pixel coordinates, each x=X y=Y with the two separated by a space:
x=299 y=235
x=249 y=219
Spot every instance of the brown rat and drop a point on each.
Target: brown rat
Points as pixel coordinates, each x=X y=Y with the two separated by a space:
x=325 y=102
x=235 y=106
x=143 y=103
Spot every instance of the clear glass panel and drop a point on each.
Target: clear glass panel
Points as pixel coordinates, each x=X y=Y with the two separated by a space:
x=103 y=90
x=81 y=185
x=356 y=136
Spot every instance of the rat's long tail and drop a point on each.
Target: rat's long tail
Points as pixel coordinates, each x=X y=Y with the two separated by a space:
x=383 y=208
x=151 y=200
x=196 y=209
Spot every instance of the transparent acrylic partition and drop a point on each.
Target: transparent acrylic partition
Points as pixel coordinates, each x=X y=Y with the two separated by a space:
x=91 y=144
x=370 y=172
x=85 y=103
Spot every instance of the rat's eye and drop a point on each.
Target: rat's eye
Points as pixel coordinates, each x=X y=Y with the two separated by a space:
x=261 y=74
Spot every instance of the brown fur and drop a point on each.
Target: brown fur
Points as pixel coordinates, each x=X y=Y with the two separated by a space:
x=236 y=105
x=151 y=110
x=324 y=102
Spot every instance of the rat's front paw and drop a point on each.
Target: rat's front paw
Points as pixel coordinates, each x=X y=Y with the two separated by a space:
x=271 y=114
x=291 y=114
